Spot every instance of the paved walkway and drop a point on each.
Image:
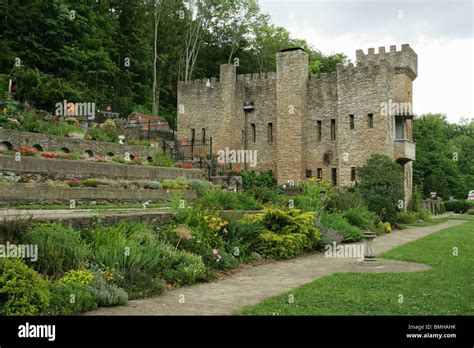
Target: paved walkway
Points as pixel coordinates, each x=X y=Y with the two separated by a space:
x=254 y=284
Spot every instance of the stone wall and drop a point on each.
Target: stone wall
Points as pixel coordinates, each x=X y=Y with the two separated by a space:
x=54 y=143
x=295 y=104
x=42 y=194
x=61 y=169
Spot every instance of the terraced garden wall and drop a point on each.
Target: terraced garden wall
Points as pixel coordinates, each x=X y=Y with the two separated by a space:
x=34 y=194
x=37 y=169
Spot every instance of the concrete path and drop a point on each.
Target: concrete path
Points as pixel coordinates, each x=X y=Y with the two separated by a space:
x=252 y=285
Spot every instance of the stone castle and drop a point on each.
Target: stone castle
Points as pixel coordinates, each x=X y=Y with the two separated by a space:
x=320 y=126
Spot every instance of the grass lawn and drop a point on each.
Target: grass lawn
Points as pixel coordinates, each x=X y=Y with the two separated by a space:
x=446 y=289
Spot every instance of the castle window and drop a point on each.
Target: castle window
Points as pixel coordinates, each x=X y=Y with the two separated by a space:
x=353 y=173
x=193 y=134
x=334 y=176
x=319 y=130
x=254 y=132
x=333 y=130
x=308 y=173
x=320 y=173
x=270 y=133
x=370 y=120
x=351 y=121
x=203 y=135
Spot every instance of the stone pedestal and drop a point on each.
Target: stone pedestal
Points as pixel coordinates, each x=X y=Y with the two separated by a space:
x=369 y=253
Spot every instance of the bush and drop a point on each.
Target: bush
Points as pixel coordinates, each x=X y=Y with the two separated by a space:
x=341 y=200
x=423 y=214
x=291 y=222
x=251 y=179
x=79 y=277
x=243 y=234
x=457 y=206
x=406 y=217
x=22 y=290
x=60 y=248
x=106 y=294
x=186 y=269
x=13 y=231
x=383 y=207
x=337 y=221
x=227 y=200
x=69 y=299
x=201 y=187
x=103 y=134
x=162 y=160
x=281 y=246
x=89 y=182
x=329 y=235
x=362 y=218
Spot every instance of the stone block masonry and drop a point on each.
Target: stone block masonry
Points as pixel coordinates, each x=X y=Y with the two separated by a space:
x=54 y=143
x=301 y=126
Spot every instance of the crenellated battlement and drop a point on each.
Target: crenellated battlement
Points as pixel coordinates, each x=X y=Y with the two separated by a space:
x=256 y=77
x=403 y=61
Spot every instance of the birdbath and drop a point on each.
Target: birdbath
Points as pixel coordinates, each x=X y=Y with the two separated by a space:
x=369 y=254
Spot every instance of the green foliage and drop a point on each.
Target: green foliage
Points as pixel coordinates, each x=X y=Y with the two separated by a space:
x=162 y=160
x=69 y=299
x=337 y=221
x=227 y=200
x=342 y=199
x=185 y=268
x=243 y=234
x=201 y=187
x=457 y=206
x=414 y=204
x=80 y=277
x=106 y=294
x=22 y=290
x=444 y=161
x=251 y=179
x=291 y=222
x=60 y=248
x=381 y=185
x=103 y=134
x=406 y=217
x=362 y=218
x=281 y=246
x=13 y=230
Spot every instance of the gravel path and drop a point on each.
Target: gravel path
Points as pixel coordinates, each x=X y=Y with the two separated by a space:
x=252 y=285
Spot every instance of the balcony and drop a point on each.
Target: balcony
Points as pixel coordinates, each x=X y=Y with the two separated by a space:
x=405 y=150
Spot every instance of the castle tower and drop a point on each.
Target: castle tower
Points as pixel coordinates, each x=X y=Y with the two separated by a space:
x=405 y=65
x=292 y=76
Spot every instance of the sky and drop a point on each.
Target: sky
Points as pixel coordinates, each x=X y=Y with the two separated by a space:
x=441 y=33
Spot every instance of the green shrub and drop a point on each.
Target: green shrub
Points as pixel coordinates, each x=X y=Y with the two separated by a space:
x=457 y=206
x=263 y=194
x=243 y=234
x=227 y=200
x=281 y=246
x=60 y=248
x=227 y=261
x=13 y=231
x=383 y=207
x=362 y=218
x=80 y=277
x=186 y=269
x=162 y=160
x=290 y=222
x=329 y=235
x=341 y=199
x=69 y=299
x=201 y=187
x=406 y=217
x=170 y=184
x=423 y=214
x=263 y=179
x=22 y=290
x=106 y=294
x=337 y=221
x=103 y=134
x=89 y=182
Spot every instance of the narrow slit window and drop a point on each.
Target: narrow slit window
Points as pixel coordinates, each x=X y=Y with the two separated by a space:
x=351 y=121
x=204 y=135
x=333 y=130
x=254 y=133
x=270 y=133
x=319 y=130
x=370 y=120
x=320 y=173
x=353 y=173
x=334 y=176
